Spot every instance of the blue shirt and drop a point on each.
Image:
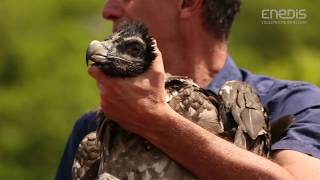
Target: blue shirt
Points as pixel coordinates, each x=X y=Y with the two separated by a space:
x=279 y=97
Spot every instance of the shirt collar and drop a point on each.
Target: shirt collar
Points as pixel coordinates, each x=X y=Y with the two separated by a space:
x=229 y=72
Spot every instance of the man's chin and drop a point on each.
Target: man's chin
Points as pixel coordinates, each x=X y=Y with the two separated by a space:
x=118 y=23
x=115 y=26
x=114 y=29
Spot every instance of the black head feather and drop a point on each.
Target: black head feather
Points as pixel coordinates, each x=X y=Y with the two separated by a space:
x=126 y=53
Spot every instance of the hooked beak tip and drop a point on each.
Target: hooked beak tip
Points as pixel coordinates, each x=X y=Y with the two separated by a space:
x=93 y=47
x=88 y=56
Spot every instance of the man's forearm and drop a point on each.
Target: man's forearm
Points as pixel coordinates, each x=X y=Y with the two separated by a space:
x=207 y=155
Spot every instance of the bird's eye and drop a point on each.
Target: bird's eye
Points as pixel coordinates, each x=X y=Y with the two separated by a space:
x=134 y=49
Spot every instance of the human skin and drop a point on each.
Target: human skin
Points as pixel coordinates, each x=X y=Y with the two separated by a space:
x=184 y=42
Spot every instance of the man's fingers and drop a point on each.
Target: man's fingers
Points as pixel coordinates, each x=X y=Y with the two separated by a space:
x=100 y=77
x=93 y=71
x=97 y=74
x=158 y=62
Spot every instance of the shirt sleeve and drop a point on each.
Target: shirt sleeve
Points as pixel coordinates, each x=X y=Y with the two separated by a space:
x=82 y=127
x=303 y=101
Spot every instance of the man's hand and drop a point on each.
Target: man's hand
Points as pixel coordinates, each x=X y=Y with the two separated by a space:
x=130 y=101
x=301 y=166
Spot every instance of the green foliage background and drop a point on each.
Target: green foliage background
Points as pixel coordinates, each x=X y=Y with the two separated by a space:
x=44 y=86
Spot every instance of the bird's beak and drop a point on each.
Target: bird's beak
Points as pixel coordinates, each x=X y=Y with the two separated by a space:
x=95 y=52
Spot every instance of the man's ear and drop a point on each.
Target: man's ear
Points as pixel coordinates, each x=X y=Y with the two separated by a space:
x=188 y=8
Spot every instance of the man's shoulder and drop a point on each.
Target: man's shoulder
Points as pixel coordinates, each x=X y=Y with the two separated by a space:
x=83 y=126
x=284 y=96
x=297 y=98
x=86 y=123
x=269 y=86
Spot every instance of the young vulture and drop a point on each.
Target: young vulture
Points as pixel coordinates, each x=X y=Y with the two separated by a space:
x=111 y=152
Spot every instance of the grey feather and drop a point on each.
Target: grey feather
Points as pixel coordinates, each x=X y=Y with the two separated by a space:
x=241 y=101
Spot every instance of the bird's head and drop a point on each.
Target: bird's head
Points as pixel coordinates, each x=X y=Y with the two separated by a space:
x=126 y=53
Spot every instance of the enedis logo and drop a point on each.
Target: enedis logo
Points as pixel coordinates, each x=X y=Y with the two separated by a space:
x=284 y=16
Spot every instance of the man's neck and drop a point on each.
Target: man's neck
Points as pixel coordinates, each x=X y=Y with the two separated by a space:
x=198 y=56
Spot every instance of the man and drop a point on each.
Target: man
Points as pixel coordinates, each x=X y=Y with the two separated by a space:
x=192 y=37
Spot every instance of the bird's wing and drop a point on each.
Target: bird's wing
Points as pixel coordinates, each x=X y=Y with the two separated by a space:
x=128 y=156
x=242 y=108
x=194 y=103
x=87 y=158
